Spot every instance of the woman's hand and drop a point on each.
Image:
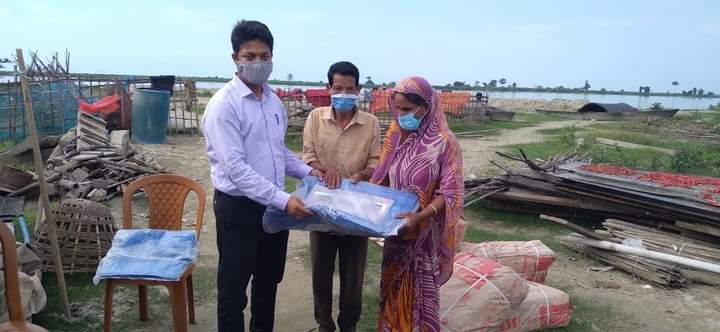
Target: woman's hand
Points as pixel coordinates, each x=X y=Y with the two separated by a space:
x=409 y=230
x=357 y=177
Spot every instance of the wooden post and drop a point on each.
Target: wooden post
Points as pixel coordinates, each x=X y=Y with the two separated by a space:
x=40 y=171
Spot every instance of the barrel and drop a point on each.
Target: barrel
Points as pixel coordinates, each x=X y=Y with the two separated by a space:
x=150 y=110
x=163 y=82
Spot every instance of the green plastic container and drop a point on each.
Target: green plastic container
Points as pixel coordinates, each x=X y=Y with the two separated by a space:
x=150 y=110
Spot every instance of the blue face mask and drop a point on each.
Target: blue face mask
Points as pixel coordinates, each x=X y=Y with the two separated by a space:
x=344 y=102
x=409 y=121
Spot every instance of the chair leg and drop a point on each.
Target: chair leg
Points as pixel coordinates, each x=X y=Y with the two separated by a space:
x=191 y=300
x=178 y=301
x=143 y=299
x=108 y=305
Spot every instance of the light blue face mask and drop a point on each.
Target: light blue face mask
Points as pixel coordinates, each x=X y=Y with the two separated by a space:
x=344 y=102
x=409 y=121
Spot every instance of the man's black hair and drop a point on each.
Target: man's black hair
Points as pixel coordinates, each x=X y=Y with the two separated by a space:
x=245 y=31
x=344 y=68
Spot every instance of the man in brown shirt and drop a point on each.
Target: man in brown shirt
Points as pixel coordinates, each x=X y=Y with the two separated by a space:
x=343 y=142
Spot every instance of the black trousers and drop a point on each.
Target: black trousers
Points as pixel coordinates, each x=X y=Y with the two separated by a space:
x=246 y=251
x=352 y=254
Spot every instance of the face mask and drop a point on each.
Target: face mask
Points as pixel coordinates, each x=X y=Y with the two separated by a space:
x=344 y=102
x=256 y=72
x=409 y=121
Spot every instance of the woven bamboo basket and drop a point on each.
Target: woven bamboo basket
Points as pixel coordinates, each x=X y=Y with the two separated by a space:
x=85 y=230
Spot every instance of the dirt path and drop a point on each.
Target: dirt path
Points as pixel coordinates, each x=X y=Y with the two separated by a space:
x=294 y=309
x=638 y=308
x=187 y=156
x=635 y=306
x=478 y=152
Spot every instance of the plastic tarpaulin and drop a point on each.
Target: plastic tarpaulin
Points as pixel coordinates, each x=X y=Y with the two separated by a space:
x=105 y=105
x=148 y=254
x=361 y=209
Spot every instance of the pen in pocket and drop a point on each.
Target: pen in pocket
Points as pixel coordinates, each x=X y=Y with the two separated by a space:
x=277 y=119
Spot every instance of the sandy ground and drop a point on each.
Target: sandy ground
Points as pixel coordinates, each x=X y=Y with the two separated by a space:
x=478 y=152
x=185 y=155
x=524 y=104
x=514 y=104
x=638 y=308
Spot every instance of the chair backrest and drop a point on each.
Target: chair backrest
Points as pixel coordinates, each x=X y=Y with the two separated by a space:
x=12 y=282
x=166 y=195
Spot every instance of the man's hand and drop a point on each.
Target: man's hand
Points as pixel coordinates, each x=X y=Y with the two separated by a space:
x=316 y=172
x=296 y=208
x=332 y=178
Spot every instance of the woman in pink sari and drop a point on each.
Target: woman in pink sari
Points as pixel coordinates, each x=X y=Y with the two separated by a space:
x=421 y=155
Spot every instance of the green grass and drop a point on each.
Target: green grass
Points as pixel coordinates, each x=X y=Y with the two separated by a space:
x=30 y=215
x=589 y=314
x=87 y=303
x=199 y=109
x=521 y=120
x=80 y=288
x=487 y=224
x=205 y=92
x=4 y=145
x=290 y=184
x=693 y=157
x=294 y=142
x=514 y=227
x=371 y=289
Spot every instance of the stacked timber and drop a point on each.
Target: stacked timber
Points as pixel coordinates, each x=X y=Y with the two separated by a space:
x=659 y=212
x=91 y=163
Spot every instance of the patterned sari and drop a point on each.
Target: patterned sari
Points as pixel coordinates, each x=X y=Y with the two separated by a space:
x=429 y=164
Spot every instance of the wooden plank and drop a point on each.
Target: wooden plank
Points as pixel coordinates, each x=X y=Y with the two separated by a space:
x=701 y=228
x=702 y=210
x=533 y=197
x=40 y=171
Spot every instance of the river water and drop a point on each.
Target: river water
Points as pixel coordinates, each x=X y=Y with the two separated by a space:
x=640 y=102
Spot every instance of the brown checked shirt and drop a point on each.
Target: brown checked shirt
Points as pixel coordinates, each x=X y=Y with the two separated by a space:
x=350 y=149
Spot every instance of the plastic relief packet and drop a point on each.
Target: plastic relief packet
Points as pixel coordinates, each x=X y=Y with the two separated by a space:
x=361 y=209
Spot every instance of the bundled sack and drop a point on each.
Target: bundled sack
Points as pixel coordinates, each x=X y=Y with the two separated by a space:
x=531 y=259
x=32 y=295
x=480 y=294
x=460 y=230
x=361 y=209
x=544 y=307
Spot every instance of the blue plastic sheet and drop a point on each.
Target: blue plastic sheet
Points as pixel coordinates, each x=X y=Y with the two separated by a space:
x=361 y=209
x=148 y=254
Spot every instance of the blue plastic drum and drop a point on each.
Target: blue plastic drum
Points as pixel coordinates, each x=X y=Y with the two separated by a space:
x=150 y=111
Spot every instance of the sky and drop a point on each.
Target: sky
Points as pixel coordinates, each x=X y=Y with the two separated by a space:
x=612 y=44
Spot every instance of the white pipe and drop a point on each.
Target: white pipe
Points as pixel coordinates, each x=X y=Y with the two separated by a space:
x=693 y=263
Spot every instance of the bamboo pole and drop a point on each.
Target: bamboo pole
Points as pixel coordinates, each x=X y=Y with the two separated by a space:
x=574 y=227
x=39 y=170
x=693 y=263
